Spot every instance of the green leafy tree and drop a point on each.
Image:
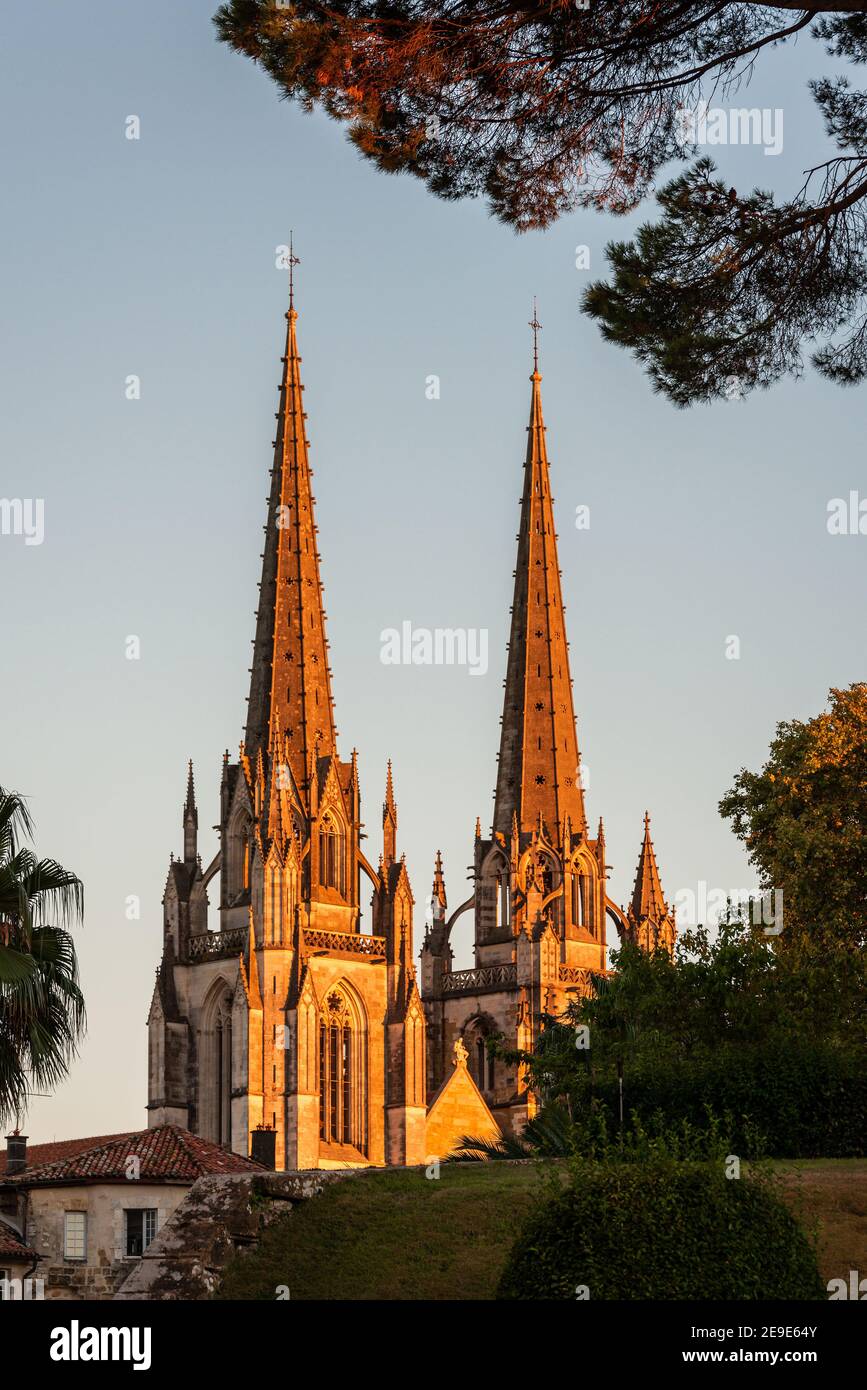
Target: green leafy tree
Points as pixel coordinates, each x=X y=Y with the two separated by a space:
x=802 y=819
x=42 y=1014
x=542 y=108
x=737 y=1029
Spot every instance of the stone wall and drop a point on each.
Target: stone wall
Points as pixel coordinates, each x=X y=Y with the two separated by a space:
x=221 y=1214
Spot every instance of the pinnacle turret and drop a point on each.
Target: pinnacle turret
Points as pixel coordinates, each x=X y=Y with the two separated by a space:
x=647 y=897
x=439 y=902
x=190 y=820
x=389 y=820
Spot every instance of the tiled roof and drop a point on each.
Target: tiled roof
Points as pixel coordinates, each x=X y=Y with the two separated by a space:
x=12 y=1246
x=62 y=1148
x=166 y=1154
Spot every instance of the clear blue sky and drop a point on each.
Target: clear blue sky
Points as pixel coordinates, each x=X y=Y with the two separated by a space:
x=156 y=258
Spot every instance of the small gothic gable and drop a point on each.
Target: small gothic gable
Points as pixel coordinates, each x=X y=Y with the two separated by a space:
x=458 y=1109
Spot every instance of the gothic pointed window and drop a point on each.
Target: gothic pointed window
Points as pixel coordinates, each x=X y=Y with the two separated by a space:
x=335 y=1079
x=290 y=879
x=342 y=1096
x=215 y=1078
x=505 y=899
x=275 y=904
x=323 y=1081
x=346 y=1078
x=577 y=900
x=583 y=911
x=481 y=1061
x=240 y=849
x=332 y=855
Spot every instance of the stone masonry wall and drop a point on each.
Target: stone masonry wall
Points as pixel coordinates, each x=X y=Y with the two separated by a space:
x=220 y=1214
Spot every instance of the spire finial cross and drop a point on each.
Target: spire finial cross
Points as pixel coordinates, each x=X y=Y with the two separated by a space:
x=535 y=325
x=292 y=260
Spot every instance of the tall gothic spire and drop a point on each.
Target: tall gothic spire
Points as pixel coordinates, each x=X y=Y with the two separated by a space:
x=290 y=681
x=538 y=773
x=647 y=895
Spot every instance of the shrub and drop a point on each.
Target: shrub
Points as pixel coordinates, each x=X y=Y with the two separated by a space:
x=662 y=1230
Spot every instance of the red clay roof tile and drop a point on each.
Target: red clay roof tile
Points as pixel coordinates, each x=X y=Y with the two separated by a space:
x=166 y=1153
x=12 y=1246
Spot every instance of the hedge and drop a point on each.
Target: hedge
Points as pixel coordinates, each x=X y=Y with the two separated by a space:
x=662 y=1231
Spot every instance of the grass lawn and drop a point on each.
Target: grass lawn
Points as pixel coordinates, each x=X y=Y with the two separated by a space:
x=389 y=1235
x=400 y=1235
x=829 y=1198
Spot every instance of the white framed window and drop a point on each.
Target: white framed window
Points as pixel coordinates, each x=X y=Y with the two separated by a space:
x=75 y=1235
x=140 y=1228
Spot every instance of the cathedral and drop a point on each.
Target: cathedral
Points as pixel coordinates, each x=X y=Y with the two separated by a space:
x=289 y=1033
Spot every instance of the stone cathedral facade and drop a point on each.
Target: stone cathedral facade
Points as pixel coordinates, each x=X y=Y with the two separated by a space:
x=287 y=1030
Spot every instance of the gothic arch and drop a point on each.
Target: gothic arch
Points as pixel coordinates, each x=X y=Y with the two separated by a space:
x=540 y=865
x=618 y=918
x=497 y=874
x=332 y=852
x=584 y=878
x=494 y=859
x=291 y=892
x=274 y=929
x=342 y=1058
x=414 y=1062
x=239 y=875
x=476 y=1031
x=215 y=1064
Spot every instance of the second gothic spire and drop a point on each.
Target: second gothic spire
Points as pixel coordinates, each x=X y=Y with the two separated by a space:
x=538 y=773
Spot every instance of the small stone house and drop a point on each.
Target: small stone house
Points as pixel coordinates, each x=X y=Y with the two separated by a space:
x=82 y=1213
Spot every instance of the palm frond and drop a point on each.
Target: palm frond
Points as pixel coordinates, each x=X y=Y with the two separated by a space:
x=42 y=1013
x=15 y=966
x=507 y=1146
x=15 y=822
x=54 y=892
